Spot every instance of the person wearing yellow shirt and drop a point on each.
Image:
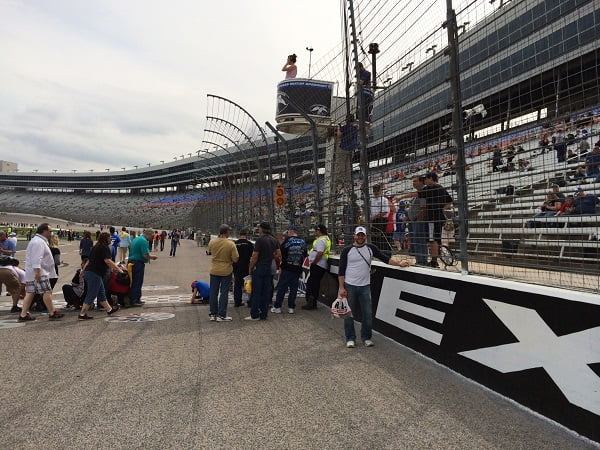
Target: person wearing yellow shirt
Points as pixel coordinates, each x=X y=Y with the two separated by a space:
x=224 y=255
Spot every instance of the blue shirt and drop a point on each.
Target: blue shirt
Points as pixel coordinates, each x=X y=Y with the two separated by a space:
x=293 y=252
x=8 y=245
x=203 y=288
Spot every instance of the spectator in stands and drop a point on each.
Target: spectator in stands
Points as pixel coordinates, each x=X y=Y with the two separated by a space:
x=437 y=200
x=496 y=158
x=124 y=244
x=289 y=67
x=584 y=203
x=266 y=249
x=592 y=162
x=584 y=146
x=224 y=255
x=544 y=143
x=510 y=153
x=240 y=268
x=550 y=206
x=391 y=218
x=7 y=246
x=556 y=191
x=580 y=173
x=567 y=206
x=416 y=225
x=39 y=268
x=560 y=145
x=572 y=157
x=85 y=246
x=354 y=279
x=380 y=208
x=525 y=165
x=318 y=259
x=139 y=255
x=293 y=252
x=114 y=243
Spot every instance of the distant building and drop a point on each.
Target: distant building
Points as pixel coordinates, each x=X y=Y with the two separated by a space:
x=7 y=166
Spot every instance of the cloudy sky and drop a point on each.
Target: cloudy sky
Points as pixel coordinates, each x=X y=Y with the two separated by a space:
x=95 y=84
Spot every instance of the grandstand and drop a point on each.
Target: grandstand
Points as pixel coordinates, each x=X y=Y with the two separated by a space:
x=532 y=65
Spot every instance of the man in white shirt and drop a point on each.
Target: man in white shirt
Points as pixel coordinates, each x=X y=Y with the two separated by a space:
x=379 y=208
x=354 y=278
x=39 y=268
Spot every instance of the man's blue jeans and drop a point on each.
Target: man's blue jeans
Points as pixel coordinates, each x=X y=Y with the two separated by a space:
x=137 y=275
x=287 y=279
x=219 y=294
x=418 y=242
x=262 y=291
x=238 y=286
x=359 y=295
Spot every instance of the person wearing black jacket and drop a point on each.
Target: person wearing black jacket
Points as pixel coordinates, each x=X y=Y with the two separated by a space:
x=354 y=277
x=240 y=268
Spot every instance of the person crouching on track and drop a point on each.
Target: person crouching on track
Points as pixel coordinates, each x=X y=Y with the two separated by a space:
x=95 y=270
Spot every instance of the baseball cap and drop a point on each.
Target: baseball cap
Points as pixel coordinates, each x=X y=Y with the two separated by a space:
x=265 y=226
x=360 y=230
x=579 y=189
x=292 y=228
x=322 y=228
x=387 y=194
x=431 y=175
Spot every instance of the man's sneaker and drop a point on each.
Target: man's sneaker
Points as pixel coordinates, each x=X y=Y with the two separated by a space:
x=368 y=343
x=224 y=319
x=291 y=310
x=276 y=310
x=212 y=318
x=84 y=317
x=16 y=309
x=55 y=315
x=27 y=318
x=350 y=344
x=113 y=310
x=434 y=264
x=251 y=318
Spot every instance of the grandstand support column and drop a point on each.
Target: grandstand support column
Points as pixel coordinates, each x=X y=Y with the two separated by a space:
x=330 y=182
x=315 y=144
x=457 y=128
x=362 y=129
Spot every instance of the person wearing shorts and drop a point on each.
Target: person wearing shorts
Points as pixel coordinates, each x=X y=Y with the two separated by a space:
x=39 y=268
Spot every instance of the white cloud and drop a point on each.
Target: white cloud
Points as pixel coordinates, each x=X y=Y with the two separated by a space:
x=109 y=84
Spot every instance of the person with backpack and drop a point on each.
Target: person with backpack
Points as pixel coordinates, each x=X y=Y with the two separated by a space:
x=354 y=278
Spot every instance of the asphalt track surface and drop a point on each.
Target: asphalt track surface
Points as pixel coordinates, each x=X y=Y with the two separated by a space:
x=185 y=382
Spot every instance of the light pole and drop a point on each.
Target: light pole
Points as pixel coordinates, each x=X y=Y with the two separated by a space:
x=310 y=50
